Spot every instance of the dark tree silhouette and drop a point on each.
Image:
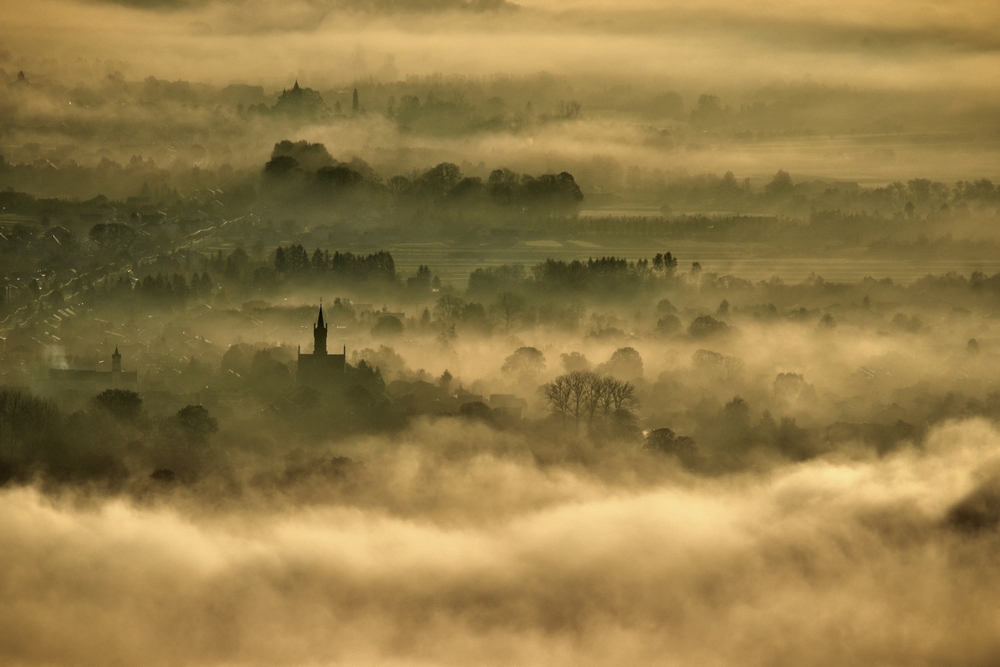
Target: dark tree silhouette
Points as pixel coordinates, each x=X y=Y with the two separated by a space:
x=267 y=374
x=113 y=236
x=122 y=404
x=440 y=180
x=195 y=423
x=583 y=394
x=300 y=101
x=476 y=410
x=706 y=325
x=445 y=380
x=449 y=308
x=665 y=441
x=281 y=166
x=625 y=363
x=24 y=419
x=507 y=306
x=387 y=326
x=524 y=361
x=780 y=185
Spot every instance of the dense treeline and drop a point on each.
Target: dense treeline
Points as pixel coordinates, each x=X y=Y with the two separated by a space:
x=173 y=290
x=303 y=172
x=114 y=438
x=105 y=442
x=295 y=261
x=315 y=173
x=728 y=192
x=603 y=275
x=733 y=435
x=501 y=289
x=500 y=208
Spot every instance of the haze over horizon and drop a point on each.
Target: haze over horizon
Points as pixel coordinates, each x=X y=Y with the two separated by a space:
x=939 y=46
x=490 y=332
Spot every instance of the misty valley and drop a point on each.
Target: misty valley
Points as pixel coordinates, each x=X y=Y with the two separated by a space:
x=530 y=369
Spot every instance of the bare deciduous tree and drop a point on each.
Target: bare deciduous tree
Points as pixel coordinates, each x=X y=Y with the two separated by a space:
x=584 y=394
x=507 y=306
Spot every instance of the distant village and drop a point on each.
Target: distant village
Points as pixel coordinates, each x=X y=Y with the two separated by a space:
x=326 y=373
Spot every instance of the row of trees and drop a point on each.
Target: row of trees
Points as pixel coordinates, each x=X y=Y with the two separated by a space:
x=295 y=260
x=585 y=395
x=301 y=169
x=451 y=114
x=173 y=290
x=612 y=274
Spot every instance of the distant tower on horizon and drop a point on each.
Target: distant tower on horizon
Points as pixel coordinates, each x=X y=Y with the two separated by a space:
x=320 y=369
x=116 y=361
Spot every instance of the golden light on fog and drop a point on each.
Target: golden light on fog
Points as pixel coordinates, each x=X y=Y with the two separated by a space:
x=450 y=332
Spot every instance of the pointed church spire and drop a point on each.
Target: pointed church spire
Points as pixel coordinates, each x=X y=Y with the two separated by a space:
x=116 y=361
x=319 y=333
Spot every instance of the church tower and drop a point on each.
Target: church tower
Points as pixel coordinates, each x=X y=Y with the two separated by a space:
x=116 y=361
x=321 y=370
x=319 y=335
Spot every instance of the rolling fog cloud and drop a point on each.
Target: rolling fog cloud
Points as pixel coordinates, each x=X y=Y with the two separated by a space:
x=830 y=562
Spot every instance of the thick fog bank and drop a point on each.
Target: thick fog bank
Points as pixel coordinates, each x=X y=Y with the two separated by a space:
x=836 y=561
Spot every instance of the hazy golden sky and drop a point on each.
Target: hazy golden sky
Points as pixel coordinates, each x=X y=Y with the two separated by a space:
x=898 y=44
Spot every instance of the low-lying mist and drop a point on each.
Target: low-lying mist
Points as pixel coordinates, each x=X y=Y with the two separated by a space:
x=490 y=558
x=499 y=332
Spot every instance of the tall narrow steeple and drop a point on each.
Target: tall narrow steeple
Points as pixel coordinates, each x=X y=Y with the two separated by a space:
x=319 y=334
x=116 y=361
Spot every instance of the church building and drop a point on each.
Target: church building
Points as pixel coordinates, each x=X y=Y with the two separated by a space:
x=320 y=369
x=96 y=380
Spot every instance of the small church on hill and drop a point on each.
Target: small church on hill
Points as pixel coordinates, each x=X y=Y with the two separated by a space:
x=321 y=369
